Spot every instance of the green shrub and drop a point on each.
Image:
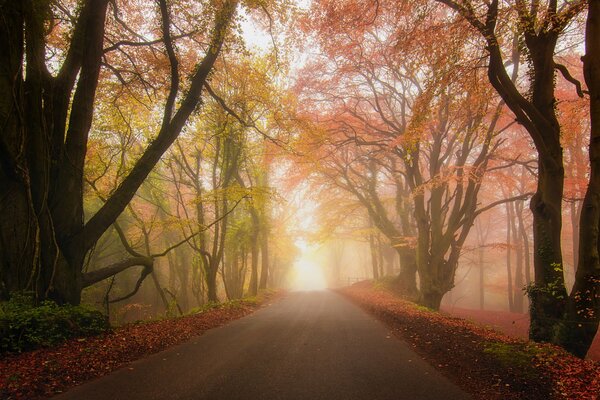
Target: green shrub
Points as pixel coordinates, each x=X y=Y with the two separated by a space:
x=26 y=326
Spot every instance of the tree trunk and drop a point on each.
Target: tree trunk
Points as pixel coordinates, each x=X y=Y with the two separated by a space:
x=406 y=281
x=575 y=218
x=264 y=256
x=436 y=280
x=547 y=295
x=518 y=285
x=431 y=297
x=582 y=317
x=374 y=257
x=481 y=278
x=160 y=291
x=511 y=306
x=253 y=286
x=211 y=284
x=390 y=255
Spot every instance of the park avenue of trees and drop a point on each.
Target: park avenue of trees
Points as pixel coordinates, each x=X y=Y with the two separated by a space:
x=153 y=158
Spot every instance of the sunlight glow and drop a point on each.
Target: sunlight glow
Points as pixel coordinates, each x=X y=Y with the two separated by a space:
x=307 y=274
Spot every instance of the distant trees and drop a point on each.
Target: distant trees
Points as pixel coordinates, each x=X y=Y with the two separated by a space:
x=384 y=79
x=418 y=130
x=205 y=192
x=407 y=118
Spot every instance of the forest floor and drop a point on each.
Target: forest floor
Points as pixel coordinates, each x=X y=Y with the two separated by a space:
x=511 y=324
x=485 y=362
x=45 y=372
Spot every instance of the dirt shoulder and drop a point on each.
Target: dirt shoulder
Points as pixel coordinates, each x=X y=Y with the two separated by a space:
x=45 y=372
x=486 y=363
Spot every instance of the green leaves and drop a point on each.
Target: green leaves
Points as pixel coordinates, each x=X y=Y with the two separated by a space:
x=26 y=326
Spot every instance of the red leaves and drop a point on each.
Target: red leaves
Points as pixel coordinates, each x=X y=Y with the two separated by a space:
x=487 y=363
x=46 y=372
x=511 y=324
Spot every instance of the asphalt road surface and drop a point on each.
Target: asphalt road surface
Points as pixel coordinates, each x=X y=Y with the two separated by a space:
x=309 y=346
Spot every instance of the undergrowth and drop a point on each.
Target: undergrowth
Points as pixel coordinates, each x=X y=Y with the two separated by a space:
x=25 y=325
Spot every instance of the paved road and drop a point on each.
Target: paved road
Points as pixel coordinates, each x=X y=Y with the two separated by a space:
x=308 y=346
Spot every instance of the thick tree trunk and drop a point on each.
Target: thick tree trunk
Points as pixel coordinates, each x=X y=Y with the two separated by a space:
x=436 y=280
x=547 y=295
x=211 y=284
x=406 y=281
x=525 y=238
x=431 y=298
x=582 y=316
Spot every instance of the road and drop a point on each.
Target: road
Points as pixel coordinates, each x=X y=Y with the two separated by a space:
x=309 y=346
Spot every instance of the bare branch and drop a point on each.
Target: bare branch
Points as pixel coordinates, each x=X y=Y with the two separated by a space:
x=567 y=75
x=507 y=200
x=89 y=278
x=186 y=239
x=138 y=284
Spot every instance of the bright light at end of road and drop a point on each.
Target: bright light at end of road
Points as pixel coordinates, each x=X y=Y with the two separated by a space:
x=307 y=273
x=308 y=276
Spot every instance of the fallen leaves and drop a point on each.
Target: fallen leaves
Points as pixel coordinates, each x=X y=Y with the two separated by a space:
x=485 y=362
x=45 y=372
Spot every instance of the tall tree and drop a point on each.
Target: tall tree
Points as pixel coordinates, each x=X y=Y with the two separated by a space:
x=540 y=26
x=582 y=317
x=47 y=123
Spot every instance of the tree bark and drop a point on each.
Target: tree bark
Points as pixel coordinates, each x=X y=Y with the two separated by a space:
x=580 y=325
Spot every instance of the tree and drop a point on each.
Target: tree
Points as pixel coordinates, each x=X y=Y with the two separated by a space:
x=48 y=118
x=540 y=26
x=582 y=316
x=425 y=123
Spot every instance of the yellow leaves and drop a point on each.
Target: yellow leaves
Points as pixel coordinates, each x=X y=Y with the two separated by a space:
x=408 y=242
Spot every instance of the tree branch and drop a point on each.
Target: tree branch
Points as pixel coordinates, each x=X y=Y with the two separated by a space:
x=567 y=75
x=115 y=205
x=186 y=239
x=507 y=200
x=138 y=284
x=89 y=278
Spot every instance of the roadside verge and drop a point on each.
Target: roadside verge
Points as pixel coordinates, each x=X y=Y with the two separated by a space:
x=484 y=362
x=49 y=371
